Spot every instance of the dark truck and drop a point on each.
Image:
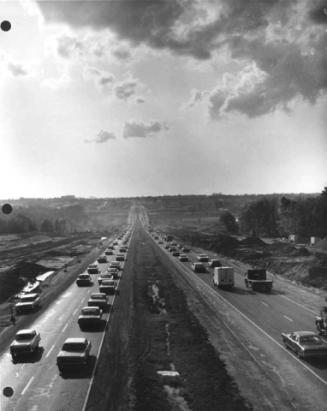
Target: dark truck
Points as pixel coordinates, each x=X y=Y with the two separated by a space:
x=256 y=278
x=321 y=321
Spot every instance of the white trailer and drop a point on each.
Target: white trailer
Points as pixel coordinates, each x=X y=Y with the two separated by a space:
x=223 y=277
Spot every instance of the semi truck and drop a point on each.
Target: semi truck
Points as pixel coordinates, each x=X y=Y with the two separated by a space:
x=256 y=278
x=223 y=277
x=321 y=321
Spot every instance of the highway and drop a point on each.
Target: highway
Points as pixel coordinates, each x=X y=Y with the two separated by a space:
x=257 y=321
x=36 y=381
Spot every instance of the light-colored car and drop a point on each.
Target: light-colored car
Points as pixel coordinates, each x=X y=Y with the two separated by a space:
x=98 y=300
x=90 y=316
x=27 y=302
x=26 y=342
x=114 y=272
x=75 y=352
x=305 y=344
x=84 y=279
x=183 y=258
x=105 y=276
x=115 y=264
x=120 y=257
x=203 y=258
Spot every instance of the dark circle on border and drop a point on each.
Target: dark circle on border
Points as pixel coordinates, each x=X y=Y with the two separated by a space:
x=5 y=25
x=8 y=392
x=7 y=208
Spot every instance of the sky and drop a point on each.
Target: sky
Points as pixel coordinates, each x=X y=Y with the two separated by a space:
x=134 y=98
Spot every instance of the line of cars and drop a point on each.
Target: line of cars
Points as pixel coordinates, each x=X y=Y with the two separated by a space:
x=305 y=344
x=75 y=351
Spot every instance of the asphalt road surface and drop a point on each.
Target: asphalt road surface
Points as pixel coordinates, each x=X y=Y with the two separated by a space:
x=36 y=382
x=257 y=320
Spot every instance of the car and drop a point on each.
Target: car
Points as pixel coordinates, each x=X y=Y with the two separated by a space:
x=160 y=242
x=198 y=268
x=305 y=344
x=203 y=258
x=27 y=302
x=172 y=249
x=105 y=276
x=75 y=352
x=102 y=259
x=167 y=246
x=114 y=272
x=215 y=263
x=107 y=287
x=183 y=258
x=93 y=269
x=115 y=242
x=84 y=279
x=120 y=257
x=108 y=252
x=175 y=253
x=115 y=264
x=110 y=247
x=26 y=342
x=98 y=300
x=90 y=316
x=123 y=250
x=185 y=250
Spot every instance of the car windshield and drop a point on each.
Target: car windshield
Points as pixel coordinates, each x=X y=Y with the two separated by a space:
x=27 y=298
x=24 y=337
x=74 y=347
x=98 y=297
x=90 y=311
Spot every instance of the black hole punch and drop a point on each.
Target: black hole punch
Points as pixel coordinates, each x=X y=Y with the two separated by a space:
x=5 y=25
x=8 y=392
x=7 y=208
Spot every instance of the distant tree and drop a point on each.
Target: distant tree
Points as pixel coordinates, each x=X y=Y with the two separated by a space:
x=46 y=226
x=260 y=218
x=229 y=222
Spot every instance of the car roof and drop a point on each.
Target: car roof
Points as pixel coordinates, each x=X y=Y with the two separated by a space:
x=104 y=282
x=304 y=333
x=29 y=295
x=25 y=331
x=97 y=295
x=75 y=340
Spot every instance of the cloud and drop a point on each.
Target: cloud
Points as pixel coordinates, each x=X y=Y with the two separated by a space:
x=195 y=98
x=140 y=100
x=121 y=53
x=284 y=39
x=141 y=129
x=102 y=137
x=126 y=88
x=102 y=78
x=16 y=69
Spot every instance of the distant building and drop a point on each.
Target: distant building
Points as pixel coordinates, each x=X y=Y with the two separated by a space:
x=292 y=238
x=68 y=197
x=314 y=240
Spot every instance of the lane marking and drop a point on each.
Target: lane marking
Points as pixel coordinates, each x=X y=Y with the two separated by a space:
x=265 y=304
x=288 y=318
x=102 y=339
x=27 y=385
x=48 y=353
x=219 y=296
x=300 y=305
x=75 y=311
x=63 y=330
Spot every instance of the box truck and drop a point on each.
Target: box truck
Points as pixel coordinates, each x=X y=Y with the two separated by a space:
x=223 y=277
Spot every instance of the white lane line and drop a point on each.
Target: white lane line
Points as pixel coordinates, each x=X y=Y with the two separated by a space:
x=48 y=353
x=265 y=304
x=102 y=339
x=256 y=326
x=75 y=311
x=288 y=318
x=27 y=385
x=63 y=330
x=300 y=305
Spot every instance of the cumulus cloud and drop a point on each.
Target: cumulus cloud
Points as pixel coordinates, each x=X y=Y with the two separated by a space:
x=284 y=39
x=16 y=69
x=102 y=78
x=195 y=98
x=126 y=88
x=143 y=130
x=121 y=53
x=101 y=137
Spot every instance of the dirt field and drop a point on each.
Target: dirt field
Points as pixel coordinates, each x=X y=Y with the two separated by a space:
x=153 y=330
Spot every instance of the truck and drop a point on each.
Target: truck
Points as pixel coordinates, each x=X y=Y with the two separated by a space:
x=223 y=277
x=256 y=278
x=321 y=321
